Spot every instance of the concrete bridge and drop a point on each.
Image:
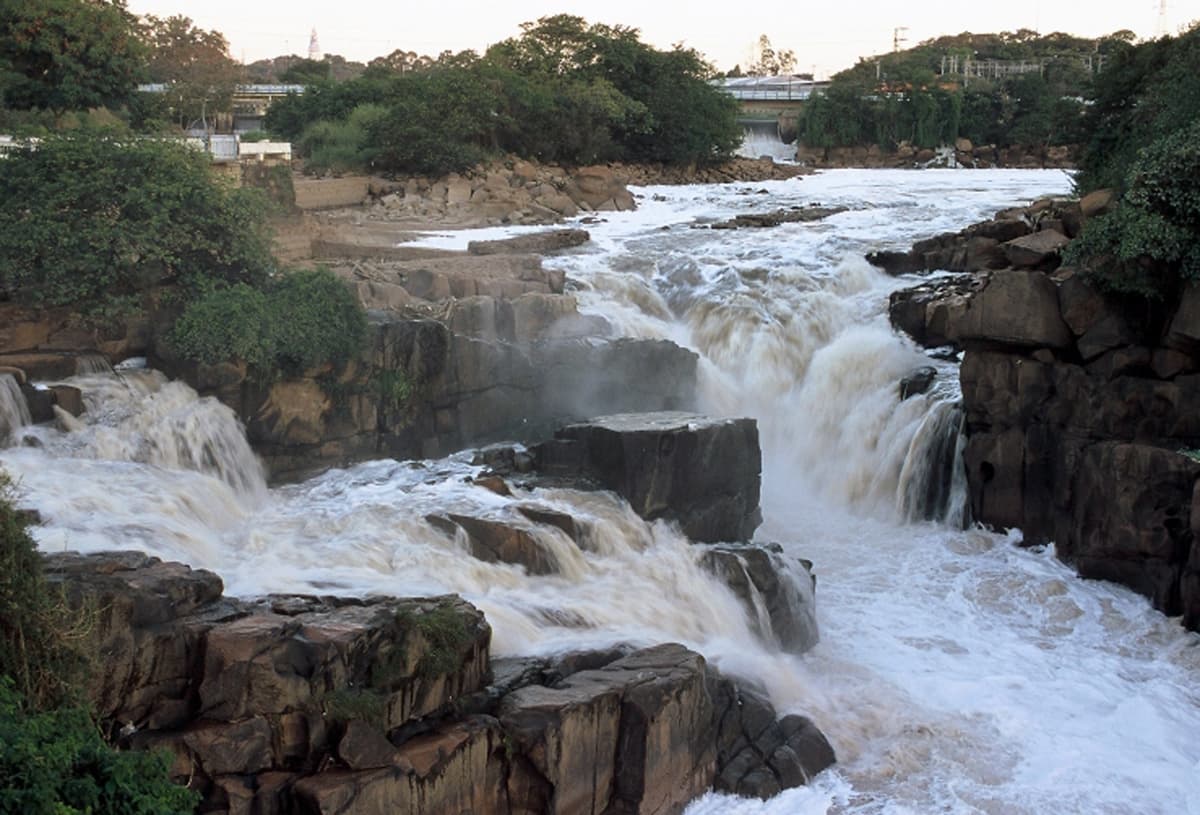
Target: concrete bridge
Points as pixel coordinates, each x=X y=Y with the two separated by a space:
x=770 y=100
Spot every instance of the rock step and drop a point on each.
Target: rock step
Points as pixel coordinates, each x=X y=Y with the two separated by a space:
x=324 y=705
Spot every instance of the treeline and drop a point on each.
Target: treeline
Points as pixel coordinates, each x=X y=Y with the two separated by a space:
x=1144 y=144
x=927 y=96
x=563 y=91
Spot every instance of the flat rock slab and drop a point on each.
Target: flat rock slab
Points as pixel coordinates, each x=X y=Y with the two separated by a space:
x=536 y=243
x=764 y=220
x=699 y=471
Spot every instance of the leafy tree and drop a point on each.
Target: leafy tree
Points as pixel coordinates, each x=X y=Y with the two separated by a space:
x=1145 y=92
x=85 y=219
x=195 y=64
x=401 y=62
x=437 y=121
x=342 y=146
x=307 y=72
x=62 y=55
x=1148 y=245
x=296 y=321
x=770 y=62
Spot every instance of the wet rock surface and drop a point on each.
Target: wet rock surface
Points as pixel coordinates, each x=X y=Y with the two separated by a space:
x=1077 y=403
x=296 y=704
x=765 y=220
x=703 y=473
x=776 y=591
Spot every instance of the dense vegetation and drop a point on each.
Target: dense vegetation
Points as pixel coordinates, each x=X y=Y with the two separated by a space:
x=53 y=760
x=926 y=97
x=1145 y=144
x=563 y=91
x=143 y=212
x=149 y=214
x=296 y=321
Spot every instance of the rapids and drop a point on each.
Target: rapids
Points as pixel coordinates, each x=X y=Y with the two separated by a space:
x=957 y=673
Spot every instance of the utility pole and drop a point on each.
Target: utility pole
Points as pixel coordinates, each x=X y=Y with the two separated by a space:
x=897 y=39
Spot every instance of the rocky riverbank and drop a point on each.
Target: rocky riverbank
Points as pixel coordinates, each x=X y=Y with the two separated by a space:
x=1079 y=405
x=300 y=704
x=962 y=154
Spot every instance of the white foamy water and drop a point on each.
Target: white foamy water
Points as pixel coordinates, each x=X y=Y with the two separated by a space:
x=14 y=410
x=957 y=673
x=761 y=139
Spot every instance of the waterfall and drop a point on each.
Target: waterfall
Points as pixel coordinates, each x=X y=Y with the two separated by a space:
x=86 y=364
x=14 y=410
x=141 y=417
x=761 y=139
x=933 y=481
x=956 y=672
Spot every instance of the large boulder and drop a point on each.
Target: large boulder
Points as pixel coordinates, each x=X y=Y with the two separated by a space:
x=700 y=472
x=759 y=755
x=1015 y=308
x=777 y=591
x=455 y=769
x=1036 y=250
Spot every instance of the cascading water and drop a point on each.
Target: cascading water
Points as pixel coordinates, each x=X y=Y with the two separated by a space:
x=956 y=673
x=761 y=139
x=14 y=410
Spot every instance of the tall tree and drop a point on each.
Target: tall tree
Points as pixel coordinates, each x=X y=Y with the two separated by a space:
x=769 y=62
x=62 y=55
x=195 y=64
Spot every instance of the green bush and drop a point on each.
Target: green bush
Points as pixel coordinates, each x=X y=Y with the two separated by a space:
x=88 y=217
x=1149 y=244
x=36 y=627
x=54 y=762
x=342 y=146
x=52 y=758
x=297 y=321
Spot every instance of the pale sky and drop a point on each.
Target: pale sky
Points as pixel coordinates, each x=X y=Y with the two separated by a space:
x=826 y=36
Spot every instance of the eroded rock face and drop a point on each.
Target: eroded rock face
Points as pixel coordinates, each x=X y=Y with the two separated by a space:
x=318 y=705
x=1077 y=405
x=759 y=755
x=776 y=591
x=702 y=472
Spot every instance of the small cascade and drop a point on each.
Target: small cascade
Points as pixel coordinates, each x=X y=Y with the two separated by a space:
x=14 y=410
x=933 y=481
x=761 y=139
x=91 y=364
x=141 y=417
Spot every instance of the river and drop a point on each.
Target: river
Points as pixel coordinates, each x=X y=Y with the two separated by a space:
x=957 y=672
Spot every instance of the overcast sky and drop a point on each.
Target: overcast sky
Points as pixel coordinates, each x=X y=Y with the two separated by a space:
x=826 y=36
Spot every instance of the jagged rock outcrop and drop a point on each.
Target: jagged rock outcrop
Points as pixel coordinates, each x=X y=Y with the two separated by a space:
x=1078 y=411
x=702 y=472
x=1027 y=237
x=776 y=591
x=764 y=220
x=322 y=705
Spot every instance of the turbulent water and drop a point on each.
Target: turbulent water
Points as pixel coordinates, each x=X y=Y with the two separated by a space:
x=761 y=139
x=957 y=673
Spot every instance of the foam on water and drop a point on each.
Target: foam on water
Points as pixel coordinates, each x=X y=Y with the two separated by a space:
x=14 y=410
x=957 y=672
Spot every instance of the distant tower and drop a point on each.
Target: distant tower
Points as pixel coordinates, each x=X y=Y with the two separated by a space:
x=314 y=47
x=1162 y=19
